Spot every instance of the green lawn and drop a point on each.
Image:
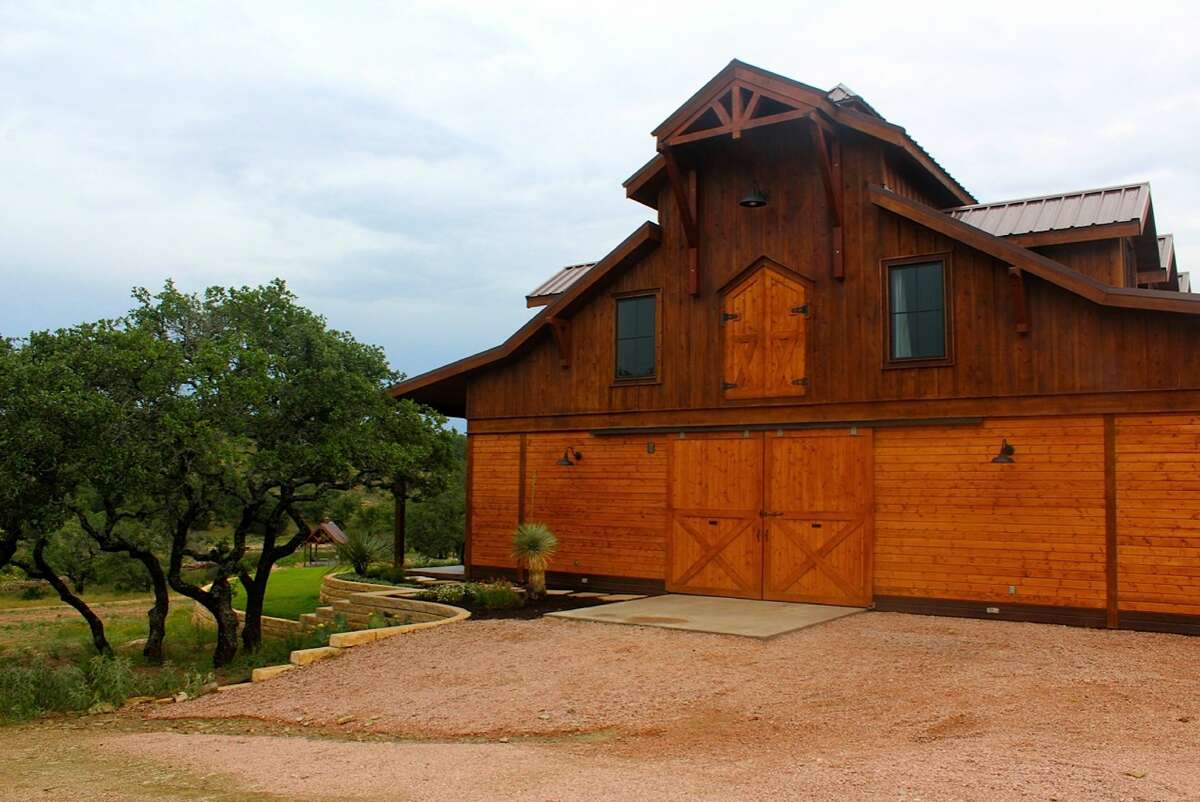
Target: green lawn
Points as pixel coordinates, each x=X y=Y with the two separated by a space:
x=291 y=592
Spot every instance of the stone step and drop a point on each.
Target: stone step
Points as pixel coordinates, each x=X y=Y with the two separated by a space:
x=304 y=657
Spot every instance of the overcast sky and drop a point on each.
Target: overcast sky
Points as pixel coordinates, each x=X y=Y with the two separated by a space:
x=412 y=169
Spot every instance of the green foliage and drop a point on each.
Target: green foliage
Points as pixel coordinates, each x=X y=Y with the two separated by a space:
x=450 y=594
x=291 y=592
x=388 y=573
x=498 y=595
x=361 y=550
x=533 y=546
x=495 y=595
x=34 y=592
x=377 y=621
x=436 y=522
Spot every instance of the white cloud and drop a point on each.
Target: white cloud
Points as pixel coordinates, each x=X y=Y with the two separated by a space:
x=414 y=168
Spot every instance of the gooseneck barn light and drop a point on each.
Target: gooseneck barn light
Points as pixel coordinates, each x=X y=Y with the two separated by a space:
x=566 y=457
x=755 y=200
x=1005 y=456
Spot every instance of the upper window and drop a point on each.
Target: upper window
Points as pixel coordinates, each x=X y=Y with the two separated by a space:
x=917 y=310
x=636 y=331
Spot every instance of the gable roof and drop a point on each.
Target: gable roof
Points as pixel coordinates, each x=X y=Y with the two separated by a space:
x=1031 y=261
x=445 y=388
x=1108 y=212
x=839 y=105
x=557 y=284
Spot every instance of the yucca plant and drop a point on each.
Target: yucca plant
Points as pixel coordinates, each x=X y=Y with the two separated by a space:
x=533 y=546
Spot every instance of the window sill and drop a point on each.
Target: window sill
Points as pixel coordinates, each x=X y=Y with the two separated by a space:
x=900 y=364
x=636 y=382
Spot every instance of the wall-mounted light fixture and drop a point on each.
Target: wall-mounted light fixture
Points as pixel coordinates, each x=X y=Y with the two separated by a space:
x=566 y=457
x=1005 y=456
x=755 y=200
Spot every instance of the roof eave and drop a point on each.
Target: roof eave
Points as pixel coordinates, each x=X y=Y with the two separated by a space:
x=645 y=238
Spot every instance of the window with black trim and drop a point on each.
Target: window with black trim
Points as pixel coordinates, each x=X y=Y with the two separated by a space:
x=917 y=310
x=636 y=332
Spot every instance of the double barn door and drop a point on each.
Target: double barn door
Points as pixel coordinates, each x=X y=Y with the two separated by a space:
x=785 y=516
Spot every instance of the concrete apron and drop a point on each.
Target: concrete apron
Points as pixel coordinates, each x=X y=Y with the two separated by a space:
x=746 y=617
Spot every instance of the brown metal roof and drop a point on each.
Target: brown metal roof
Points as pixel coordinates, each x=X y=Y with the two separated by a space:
x=557 y=284
x=1166 y=250
x=1070 y=210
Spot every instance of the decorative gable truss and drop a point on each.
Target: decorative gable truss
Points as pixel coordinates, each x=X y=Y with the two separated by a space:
x=738 y=108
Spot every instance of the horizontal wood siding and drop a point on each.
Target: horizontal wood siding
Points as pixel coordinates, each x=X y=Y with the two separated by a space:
x=495 y=468
x=950 y=524
x=609 y=510
x=1158 y=513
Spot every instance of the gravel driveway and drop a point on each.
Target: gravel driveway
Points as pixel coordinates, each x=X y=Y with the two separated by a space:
x=875 y=706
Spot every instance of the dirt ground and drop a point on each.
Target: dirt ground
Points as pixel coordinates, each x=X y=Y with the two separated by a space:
x=877 y=706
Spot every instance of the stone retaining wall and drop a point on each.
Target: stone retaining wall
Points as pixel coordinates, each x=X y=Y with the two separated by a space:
x=356 y=605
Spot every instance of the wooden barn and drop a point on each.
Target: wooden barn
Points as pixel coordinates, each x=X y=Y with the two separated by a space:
x=826 y=373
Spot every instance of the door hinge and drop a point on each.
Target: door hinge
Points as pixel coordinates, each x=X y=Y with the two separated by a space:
x=728 y=385
x=802 y=382
x=800 y=310
x=726 y=316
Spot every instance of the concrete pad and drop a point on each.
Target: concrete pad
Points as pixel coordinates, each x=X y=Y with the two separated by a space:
x=747 y=617
x=620 y=597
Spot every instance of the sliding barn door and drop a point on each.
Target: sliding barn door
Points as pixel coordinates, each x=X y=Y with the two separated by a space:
x=819 y=515
x=715 y=545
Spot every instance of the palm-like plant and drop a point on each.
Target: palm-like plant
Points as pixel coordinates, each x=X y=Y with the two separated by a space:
x=533 y=546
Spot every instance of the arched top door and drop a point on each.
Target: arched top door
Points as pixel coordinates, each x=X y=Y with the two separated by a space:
x=765 y=317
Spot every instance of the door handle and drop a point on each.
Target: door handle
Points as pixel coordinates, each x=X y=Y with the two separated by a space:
x=766 y=514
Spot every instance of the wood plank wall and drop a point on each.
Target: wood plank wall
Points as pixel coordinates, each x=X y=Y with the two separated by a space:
x=951 y=524
x=608 y=510
x=1158 y=513
x=1073 y=347
x=495 y=497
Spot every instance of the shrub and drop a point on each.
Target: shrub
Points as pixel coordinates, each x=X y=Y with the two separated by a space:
x=33 y=592
x=360 y=550
x=377 y=621
x=498 y=595
x=533 y=546
x=388 y=573
x=449 y=594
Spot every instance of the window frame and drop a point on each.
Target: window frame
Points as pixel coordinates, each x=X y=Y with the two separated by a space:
x=885 y=270
x=656 y=376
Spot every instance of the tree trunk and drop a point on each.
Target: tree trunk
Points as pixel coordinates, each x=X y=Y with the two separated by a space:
x=156 y=616
x=400 y=494
x=256 y=592
x=227 y=623
x=93 y=621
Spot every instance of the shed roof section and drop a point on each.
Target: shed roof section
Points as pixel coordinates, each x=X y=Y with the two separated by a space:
x=557 y=284
x=1126 y=206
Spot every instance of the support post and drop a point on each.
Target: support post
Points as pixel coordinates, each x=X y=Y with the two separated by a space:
x=400 y=497
x=685 y=190
x=829 y=162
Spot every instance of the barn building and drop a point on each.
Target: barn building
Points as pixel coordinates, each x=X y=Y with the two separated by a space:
x=826 y=373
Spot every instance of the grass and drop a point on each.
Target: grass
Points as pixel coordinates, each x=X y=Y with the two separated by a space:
x=13 y=601
x=50 y=666
x=291 y=592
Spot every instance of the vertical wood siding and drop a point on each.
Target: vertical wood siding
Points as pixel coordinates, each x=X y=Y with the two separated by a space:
x=951 y=524
x=1158 y=513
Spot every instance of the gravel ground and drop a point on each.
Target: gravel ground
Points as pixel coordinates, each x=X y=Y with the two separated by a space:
x=875 y=706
